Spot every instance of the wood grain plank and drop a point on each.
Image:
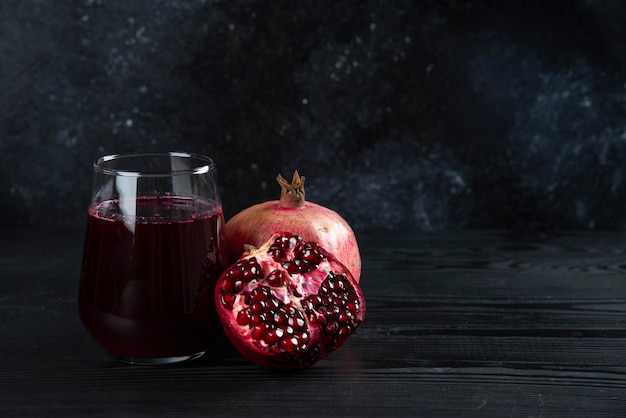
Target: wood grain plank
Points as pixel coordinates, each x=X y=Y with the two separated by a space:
x=462 y=323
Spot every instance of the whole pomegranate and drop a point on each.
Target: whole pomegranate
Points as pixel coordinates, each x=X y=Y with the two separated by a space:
x=289 y=303
x=311 y=221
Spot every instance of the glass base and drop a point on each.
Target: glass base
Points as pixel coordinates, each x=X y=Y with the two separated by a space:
x=155 y=361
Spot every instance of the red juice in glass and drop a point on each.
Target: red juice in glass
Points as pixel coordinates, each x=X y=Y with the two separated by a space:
x=147 y=280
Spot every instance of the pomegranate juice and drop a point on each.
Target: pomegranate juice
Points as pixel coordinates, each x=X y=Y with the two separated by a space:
x=149 y=269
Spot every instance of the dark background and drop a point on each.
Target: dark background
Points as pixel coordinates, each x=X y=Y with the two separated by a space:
x=412 y=114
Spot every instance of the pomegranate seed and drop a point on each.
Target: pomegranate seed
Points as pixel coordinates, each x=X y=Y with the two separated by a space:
x=354 y=297
x=343 y=332
x=282 y=241
x=331 y=327
x=345 y=316
x=258 y=331
x=277 y=249
x=260 y=294
x=273 y=303
x=228 y=300
x=352 y=307
x=326 y=300
x=307 y=255
x=253 y=271
x=297 y=323
x=258 y=307
x=259 y=319
x=307 y=305
x=316 y=300
x=275 y=278
x=292 y=267
x=229 y=284
x=294 y=240
x=291 y=345
x=271 y=336
x=280 y=318
x=244 y=317
x=276 y=253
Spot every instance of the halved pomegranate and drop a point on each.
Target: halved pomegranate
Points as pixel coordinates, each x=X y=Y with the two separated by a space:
x=289 y=303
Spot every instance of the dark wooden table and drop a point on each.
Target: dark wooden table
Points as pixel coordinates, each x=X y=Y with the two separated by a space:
x=458 y=324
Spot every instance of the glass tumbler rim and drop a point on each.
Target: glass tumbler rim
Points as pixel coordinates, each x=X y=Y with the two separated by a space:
x=204 y=164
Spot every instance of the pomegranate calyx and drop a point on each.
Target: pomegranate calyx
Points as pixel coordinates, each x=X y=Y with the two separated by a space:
x=291 y=194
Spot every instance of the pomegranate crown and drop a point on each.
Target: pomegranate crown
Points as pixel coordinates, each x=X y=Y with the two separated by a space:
x=291 y=194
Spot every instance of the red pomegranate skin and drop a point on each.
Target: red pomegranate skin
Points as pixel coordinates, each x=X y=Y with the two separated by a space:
x=254 y=225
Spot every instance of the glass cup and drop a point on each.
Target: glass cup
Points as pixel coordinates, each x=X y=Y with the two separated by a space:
x=153 y=252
